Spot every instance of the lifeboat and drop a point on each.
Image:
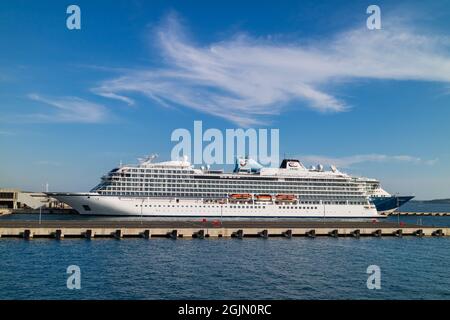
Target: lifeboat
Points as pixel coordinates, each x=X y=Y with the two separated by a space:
x=285 y=197
x=240 y=196
x=263 y=197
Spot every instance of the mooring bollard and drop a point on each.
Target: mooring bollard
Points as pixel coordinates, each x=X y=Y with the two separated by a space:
x=355 y=233
x=118 y=234
x=398 y=233
x=311 y=233
x=58 y=234
x=377 y=233
x=27 y=235
x=287 y=234
x=264 y=234
x=238 y=234
x=146 y=234
x=172 y=234
x=89 y=234
x=334 y=233
x=200 y=234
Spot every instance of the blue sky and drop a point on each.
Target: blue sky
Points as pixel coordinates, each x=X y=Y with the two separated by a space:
x=76 y=102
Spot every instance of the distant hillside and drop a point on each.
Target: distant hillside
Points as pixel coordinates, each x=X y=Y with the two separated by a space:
x=440 y=201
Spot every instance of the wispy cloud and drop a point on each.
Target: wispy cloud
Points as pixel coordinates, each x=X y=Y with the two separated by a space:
x=244 y=80
x=48 y=163
x=346 y=162
x=68 y=109
x=6 y=133
x=108 y=94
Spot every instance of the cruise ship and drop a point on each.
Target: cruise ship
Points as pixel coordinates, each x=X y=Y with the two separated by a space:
x=177 y=189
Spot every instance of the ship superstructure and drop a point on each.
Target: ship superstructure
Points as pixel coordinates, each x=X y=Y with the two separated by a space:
x=178 y=189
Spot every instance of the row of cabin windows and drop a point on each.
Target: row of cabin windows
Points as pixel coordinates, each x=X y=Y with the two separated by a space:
x=252 y=182
x=198 y=194
x=202 y=187
x=231 y=206
x=184 y=174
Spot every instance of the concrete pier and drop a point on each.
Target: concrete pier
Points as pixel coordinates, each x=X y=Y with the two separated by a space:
x=408 y=213
x=204 y=229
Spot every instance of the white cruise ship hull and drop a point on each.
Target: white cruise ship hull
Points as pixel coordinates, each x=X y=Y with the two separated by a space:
x=95 y=204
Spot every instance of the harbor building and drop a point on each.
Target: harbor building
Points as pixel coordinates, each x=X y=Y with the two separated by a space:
x=15 y=199
x=8 y=199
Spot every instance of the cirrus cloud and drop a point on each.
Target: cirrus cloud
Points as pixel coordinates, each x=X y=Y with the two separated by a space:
x=245 y=80
x=349 y=161
x=68 y=109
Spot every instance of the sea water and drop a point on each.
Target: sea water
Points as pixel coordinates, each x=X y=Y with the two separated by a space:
x=297 y=268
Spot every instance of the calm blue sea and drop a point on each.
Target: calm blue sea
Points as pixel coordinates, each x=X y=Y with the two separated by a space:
x=321 y=268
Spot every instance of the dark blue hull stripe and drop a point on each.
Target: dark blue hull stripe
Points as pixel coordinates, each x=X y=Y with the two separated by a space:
x=390 y=203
